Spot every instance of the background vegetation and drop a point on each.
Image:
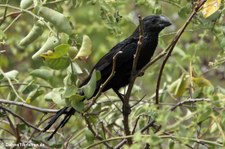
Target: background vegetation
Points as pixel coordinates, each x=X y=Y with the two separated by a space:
x=190 y=112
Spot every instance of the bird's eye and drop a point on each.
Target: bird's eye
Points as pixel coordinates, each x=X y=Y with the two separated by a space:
x=154 y=21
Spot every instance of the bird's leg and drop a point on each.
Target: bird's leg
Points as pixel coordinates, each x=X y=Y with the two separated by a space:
x=141 y=74
x=138 y=73
x=121 y=96
x=126 y=108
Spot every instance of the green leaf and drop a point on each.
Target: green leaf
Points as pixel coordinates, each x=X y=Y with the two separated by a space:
x=43 y=74
x=179 y=86
x=183 y=12
x=76 y=101
x=25 y=3
x=1 y=76
x=34 y=33
x=69 y=91
x=97 y=108
x=204 y=114
x=222 y=43
x=58 y=52
x=73 y=52
x=76 y=68
x=11 y=96
x=29 y=88
x=2 y=35
x=58 y=63
x=90 y=87
x=210 y=7
x=171 y=144
x=201 y=82
x=58 y=20
x=76 y=104
x=33 y=95
x=56 y=96
x=21 y=126
x=179 y=51
x=10 y=75
x=155 y=140
x=50 y=43
x=89 y=136
x=86 y=48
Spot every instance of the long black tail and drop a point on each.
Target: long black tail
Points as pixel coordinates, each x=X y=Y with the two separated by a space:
x=68 y=111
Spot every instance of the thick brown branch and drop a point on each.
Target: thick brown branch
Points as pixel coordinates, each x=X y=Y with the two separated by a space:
x=126 y=105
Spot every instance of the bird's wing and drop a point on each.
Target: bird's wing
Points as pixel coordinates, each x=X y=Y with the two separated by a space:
x=128 y=46
x=104 y=65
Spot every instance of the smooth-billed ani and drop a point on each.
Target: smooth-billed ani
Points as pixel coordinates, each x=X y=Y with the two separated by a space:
x=152 y=25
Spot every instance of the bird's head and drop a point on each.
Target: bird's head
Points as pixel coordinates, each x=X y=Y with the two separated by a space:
x=155 y=23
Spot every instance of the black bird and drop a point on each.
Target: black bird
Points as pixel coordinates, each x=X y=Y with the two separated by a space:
x=152 y=25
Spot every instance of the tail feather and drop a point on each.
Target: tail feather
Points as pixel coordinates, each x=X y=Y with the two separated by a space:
x=66 y=118
x=54 y=118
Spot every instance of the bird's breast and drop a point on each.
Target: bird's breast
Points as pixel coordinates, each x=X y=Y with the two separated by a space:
x=147 y=50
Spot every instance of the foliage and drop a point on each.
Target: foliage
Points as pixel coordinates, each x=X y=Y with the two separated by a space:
x=49 y=46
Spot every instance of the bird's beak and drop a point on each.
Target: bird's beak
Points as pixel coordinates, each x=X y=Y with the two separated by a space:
x=164 y=21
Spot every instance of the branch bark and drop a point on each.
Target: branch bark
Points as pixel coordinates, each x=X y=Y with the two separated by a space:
x=188 y=101
x=126 y=100
x=21 y=104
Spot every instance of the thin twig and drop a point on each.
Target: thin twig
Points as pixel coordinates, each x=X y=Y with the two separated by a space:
x=138 y=102
x=4 y=15
x=172 y=45
x=10 y=123
x=114 y=104
x=11 y=23
x=21 y=118
x=32 y=14
x=106 y=82
x=39 y=123
x=150 y=124
x=18 y=84
x=18 y=12
x=22 y=104
x=135 y=124
x=162 y=137
x=188 y=101
x=94 y=133
x=10 y=83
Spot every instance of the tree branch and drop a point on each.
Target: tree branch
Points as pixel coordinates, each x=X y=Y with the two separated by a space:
x=11 y=85
x=94 y=133
x=21 y=118
x=4 y=15
x=105 y=83
x=173 y=43
x=188 y=101
x=162 y=137
x=21 y=104
x=126 y=105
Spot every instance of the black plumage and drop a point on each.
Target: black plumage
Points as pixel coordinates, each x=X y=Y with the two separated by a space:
x=152 y=25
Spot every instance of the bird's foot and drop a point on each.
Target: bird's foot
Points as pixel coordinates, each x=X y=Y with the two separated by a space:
x=126 y=109
x=138 y=73
x=121 y=96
